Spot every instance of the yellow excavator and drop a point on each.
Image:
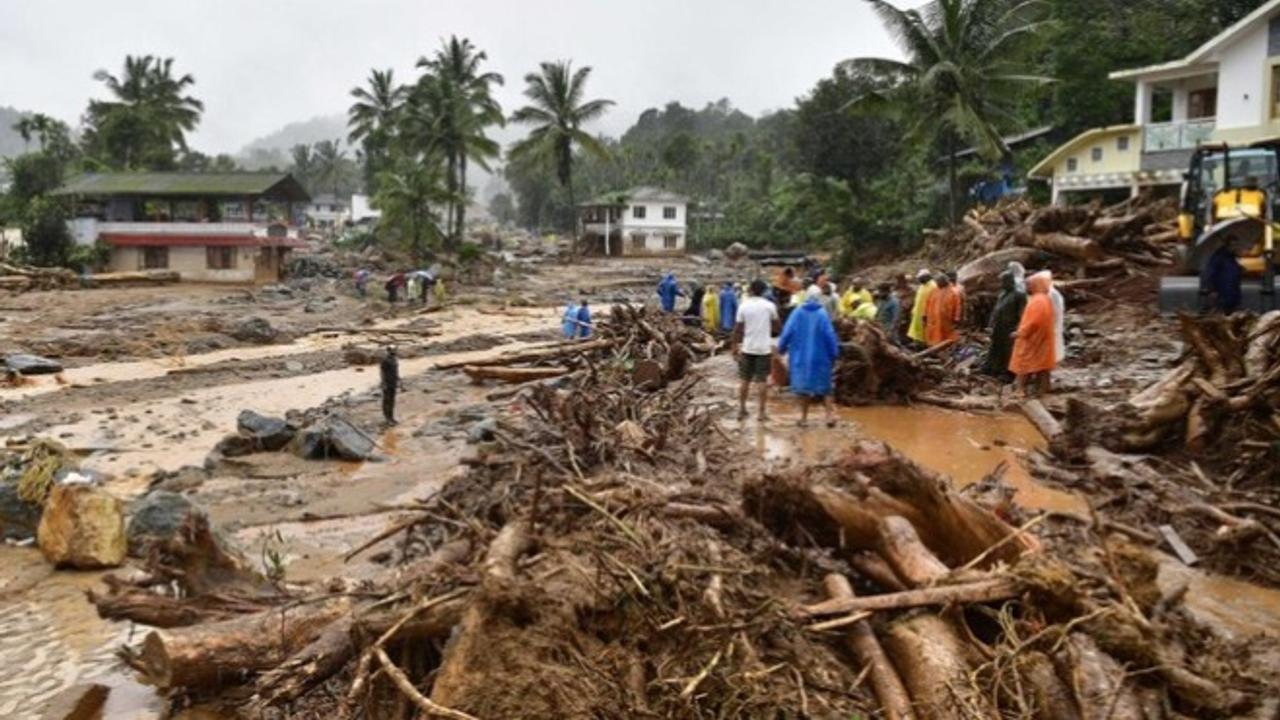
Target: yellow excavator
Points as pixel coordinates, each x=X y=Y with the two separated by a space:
x=1230 y=197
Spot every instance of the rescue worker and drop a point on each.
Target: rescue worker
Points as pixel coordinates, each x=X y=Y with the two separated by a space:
x=754 y=324
x=693 y=313
x=926 y=286
x=942 y=312
x=668 y=291
x=569 y=320
x=728 y=307
x=584 y=318
x=389 y=368
x=710 y=311
x=887 y=310
x=809 y=340
x=1032 y=359
x=1222 y=276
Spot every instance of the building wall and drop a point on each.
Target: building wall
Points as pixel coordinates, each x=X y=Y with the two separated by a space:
x=653 y=216
x=1243 y=88
x=655 y=240
x=191 y=262
x=1113 y=159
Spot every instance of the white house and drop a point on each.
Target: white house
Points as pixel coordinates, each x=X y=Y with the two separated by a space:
x=639 y=221
x=327 y=212
x=362 y=210
x=1226 y=90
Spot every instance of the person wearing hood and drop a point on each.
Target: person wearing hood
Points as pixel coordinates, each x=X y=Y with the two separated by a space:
x=1222 y=280
x=710 y=311
x=1032 y=359
x=1059 y=322
x=728 y=307
x=887 y=310
x=693 y=313
x=830 y=300
x=926 y=287
x=809 y=341
x=668 y=291
x=569 y=320
x=584 y=318
x=857 y=290
x=1004 y=322
x=942 y=312
x=1019 y=275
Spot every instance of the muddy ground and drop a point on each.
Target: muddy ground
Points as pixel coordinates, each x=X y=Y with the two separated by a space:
x=156 y=377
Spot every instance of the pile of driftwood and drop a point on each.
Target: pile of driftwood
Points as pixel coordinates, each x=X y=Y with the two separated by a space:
x=1209 y=437
x=1089 y=247
x=873 y=369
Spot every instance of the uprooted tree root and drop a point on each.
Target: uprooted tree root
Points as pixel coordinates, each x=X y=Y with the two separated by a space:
x=606 y=557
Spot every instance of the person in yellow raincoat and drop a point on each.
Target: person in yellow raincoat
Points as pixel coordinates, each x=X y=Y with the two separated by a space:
x=711 y=311
x=863 y=310
x=916 y=330
x=856 y=291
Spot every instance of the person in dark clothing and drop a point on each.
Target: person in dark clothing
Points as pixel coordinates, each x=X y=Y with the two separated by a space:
x=693 y=314
x=390 y=370
x=1004 y=322
x=584 y=318
x=1222 y=276
x=393 y=286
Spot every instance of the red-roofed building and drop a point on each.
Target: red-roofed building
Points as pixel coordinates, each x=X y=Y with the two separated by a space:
x=209 y=227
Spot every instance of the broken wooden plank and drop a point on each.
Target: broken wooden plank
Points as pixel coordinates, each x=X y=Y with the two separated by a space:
x=1180 y=547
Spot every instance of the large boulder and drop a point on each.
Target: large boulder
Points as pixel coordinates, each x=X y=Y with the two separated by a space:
x=18 y=518
x=333 y=438
x=267 y=433
x=31 y=364
x=156 y=517
x=82 y=527
x=736 y=251
x=254 y=330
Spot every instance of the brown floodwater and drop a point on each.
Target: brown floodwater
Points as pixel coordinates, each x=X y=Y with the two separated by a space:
x=964 y=446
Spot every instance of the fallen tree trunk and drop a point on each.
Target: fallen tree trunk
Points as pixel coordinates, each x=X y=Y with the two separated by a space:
x=1097 y=681
x=991 y=589
x=512 y=374
x=895 y=703
x=931 y=660
x=533 y=355
x=909 y=558
x=205 y=657
x=1048 y=426
x=1058 y=243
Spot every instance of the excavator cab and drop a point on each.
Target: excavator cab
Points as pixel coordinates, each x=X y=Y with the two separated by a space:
x=1230 y=197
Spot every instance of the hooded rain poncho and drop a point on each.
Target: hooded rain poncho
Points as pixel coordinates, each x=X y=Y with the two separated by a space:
x=1004 y=321
x=569 y=321
x=916 y=330
x=809 y=341
x=728 y=308
x=710 y=312
x=1033 y=348
x=942 y=312
x=667 y=292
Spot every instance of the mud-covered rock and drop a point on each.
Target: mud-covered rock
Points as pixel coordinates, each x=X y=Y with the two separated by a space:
x=736 y=251
x=361 y=355
x=254 y=330
x=267 y=433
x=482 y=431
x=235 y=445
x=18 y=519
x=32 y=364
x=156 y=517
x=82 y=527
x=333 y=438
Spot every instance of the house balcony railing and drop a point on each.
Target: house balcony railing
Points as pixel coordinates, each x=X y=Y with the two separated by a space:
x=1157 y=137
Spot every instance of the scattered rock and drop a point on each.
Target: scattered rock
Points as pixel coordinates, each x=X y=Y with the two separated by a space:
x=333 y=438
x=319 y=305
x=361 y=355
x=82 y=527
x=155 y=517
x=268 y=433
x=736 y=251
x=18 y=519
x=715 y=254
x=482 y=431
x=235 y=445
x=254 y=330
x=32 y=364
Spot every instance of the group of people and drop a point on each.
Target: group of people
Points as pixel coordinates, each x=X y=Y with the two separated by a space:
x=414 y=285
x=575 y=321
x=1028 y=330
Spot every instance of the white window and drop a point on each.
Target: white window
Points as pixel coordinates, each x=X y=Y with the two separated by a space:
x=669 y=212
x=637 y=212
x=671 y=242
x=637 y=241
x=1122 y=143
x=1072 y=164
x=1096 y=154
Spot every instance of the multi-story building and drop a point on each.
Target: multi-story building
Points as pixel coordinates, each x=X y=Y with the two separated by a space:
x=639 y=221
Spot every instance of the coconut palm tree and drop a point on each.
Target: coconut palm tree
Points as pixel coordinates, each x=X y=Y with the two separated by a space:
x=373 y=119
x=37 y=125
x=455 y=108
x=303 y=166
x=330 y=164
x=960 y=76
x=407 y=192
x=558 y=111
x=149 y=115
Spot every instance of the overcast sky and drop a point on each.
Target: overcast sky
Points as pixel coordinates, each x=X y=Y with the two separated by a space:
x=259 y=65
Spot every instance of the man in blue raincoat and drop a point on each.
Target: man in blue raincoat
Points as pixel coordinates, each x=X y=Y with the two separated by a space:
x=809 y=341
x=569 y=321
x=728 y=307
x=668 y=291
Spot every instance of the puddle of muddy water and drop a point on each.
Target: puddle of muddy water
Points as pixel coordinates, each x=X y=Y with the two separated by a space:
x=963 y=446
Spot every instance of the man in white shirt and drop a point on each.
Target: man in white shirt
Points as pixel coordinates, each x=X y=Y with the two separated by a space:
x=756 y=324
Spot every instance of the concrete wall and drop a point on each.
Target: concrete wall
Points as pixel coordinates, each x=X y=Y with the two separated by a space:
x=1243 y=86
x=1114 y=160
x=655 y=241
x=653 y=216
x=191 y=262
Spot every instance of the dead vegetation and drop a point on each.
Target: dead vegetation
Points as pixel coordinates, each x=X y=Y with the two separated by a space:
x=606 y=556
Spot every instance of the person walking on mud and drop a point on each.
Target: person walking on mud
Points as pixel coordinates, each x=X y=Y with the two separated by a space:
x=754 y=325
x=809 y=341
x=390 y=370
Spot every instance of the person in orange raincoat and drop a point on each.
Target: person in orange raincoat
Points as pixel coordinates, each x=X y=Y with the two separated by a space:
x=1033 y=343
x=942 y=312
